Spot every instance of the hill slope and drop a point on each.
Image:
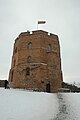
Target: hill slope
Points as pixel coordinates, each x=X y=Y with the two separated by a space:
x=25 y=105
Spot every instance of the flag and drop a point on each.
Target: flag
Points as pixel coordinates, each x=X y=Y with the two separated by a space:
x=41 y=22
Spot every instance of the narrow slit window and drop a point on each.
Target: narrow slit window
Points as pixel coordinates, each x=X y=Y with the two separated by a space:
x=49 y=48
x=29 y=45
x=27 y=71
x=29 y=59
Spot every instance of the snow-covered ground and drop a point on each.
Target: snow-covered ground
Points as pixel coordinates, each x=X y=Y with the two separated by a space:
x=72 y=105
x=26 y=105
x=69 y=106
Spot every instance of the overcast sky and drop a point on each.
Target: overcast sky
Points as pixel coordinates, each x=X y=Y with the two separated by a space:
x=62 y=18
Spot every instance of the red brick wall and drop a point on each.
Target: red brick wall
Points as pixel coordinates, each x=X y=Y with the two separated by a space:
x=45 y=66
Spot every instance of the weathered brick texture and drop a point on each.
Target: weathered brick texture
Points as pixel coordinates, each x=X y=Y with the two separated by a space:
x=40 y=53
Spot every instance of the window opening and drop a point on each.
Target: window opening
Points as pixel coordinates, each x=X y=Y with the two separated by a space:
x=29 y=59
x=29 y=45
x=49 y=48
x=27 y=71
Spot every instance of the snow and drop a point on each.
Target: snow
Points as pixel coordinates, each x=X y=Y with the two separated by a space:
x=76 y=83
x=25 y=105
x=69 y=106
x=73 y=105
x=16 y=104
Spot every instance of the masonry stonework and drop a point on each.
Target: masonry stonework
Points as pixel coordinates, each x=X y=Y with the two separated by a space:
x=36 y=62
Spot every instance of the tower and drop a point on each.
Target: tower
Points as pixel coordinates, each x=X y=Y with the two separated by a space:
x=36 y=62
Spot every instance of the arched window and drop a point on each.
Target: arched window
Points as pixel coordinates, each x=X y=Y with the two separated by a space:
x=29 y=59
x=29 y=45
x=27 y=71
x=49 y=48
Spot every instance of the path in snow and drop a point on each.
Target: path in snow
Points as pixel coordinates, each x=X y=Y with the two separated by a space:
x=63 y=112
x=66 y=109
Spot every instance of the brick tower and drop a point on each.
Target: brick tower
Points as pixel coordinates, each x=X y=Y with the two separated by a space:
x=36 y=62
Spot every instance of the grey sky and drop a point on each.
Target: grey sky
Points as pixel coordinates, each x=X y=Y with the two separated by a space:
x=63 y=19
